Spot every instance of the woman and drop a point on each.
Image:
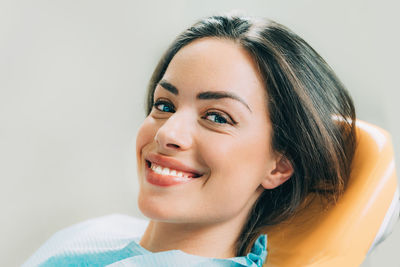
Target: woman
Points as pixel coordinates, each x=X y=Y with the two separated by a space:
x=244 y=120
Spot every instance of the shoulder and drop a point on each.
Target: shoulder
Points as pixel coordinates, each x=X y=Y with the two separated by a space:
x=98 y=234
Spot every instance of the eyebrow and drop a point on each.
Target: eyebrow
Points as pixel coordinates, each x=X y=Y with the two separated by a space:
x=205 y=95
x=169 y=87
x=221 y=94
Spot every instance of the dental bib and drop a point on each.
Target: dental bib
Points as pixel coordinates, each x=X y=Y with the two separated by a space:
x=114 y=241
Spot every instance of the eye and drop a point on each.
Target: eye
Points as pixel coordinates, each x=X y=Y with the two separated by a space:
x=164 y=106
x=218 y=118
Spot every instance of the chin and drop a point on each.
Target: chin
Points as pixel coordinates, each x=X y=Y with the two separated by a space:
x=154 y=210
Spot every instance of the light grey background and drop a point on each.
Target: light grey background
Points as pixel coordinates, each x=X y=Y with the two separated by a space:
x=72 y=81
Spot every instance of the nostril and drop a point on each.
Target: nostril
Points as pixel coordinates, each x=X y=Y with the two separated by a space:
x=172 y=146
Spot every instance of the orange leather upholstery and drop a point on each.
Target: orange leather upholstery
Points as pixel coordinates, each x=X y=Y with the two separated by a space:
x=343 y=234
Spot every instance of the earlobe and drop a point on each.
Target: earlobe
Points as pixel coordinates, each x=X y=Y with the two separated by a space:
x=281 y=173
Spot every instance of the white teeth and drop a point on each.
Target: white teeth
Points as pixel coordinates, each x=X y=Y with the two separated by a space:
x=166 y=171
x=158 y=170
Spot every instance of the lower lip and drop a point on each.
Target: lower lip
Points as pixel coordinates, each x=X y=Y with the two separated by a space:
x=164 y=180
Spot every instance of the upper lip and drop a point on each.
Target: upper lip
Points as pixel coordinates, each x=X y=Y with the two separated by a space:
x=170 y=163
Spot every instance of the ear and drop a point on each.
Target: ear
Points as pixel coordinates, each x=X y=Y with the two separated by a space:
x=279 y=174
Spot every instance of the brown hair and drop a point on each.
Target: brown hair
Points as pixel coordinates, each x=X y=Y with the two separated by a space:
x=312 y=115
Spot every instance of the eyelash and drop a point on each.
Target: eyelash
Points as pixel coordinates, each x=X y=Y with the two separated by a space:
x=225 y=117
x=163 y=102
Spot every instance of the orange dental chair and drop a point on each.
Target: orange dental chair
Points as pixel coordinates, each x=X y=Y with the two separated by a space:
x=343 y=234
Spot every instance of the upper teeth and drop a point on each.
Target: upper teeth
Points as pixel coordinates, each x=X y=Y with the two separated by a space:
x=167 y=171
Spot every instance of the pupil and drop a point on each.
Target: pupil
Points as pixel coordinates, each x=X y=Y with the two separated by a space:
x=220 y=119
x=166 y=108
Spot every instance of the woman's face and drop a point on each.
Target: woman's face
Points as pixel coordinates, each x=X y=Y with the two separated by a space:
x=210 y=127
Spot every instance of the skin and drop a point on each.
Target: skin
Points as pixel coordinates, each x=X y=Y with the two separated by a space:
x=226 y=140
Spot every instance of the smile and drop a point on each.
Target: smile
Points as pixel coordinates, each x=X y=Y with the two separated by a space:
x=166 y=171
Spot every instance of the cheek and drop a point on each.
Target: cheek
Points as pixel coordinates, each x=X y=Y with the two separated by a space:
x=247 y=153
x=145 y=135
x=238 y=166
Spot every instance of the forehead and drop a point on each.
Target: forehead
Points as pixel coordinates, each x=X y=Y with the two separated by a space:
x=215 y=64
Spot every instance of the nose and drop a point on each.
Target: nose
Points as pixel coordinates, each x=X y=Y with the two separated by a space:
x=176 y=133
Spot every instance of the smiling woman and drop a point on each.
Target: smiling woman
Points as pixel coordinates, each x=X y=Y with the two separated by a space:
x=244 y=120
x=192 y=129
x=265 y=152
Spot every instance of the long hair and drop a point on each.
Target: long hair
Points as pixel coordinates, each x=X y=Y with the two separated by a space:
x=312 y=114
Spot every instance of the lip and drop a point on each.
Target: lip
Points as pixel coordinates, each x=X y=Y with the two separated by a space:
x=171 y=163
x=164 y=180
x=167 y=180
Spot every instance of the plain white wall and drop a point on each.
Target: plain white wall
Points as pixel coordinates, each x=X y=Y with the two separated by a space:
x=72 y=81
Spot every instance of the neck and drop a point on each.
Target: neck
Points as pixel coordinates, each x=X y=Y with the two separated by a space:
x=217 y=240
